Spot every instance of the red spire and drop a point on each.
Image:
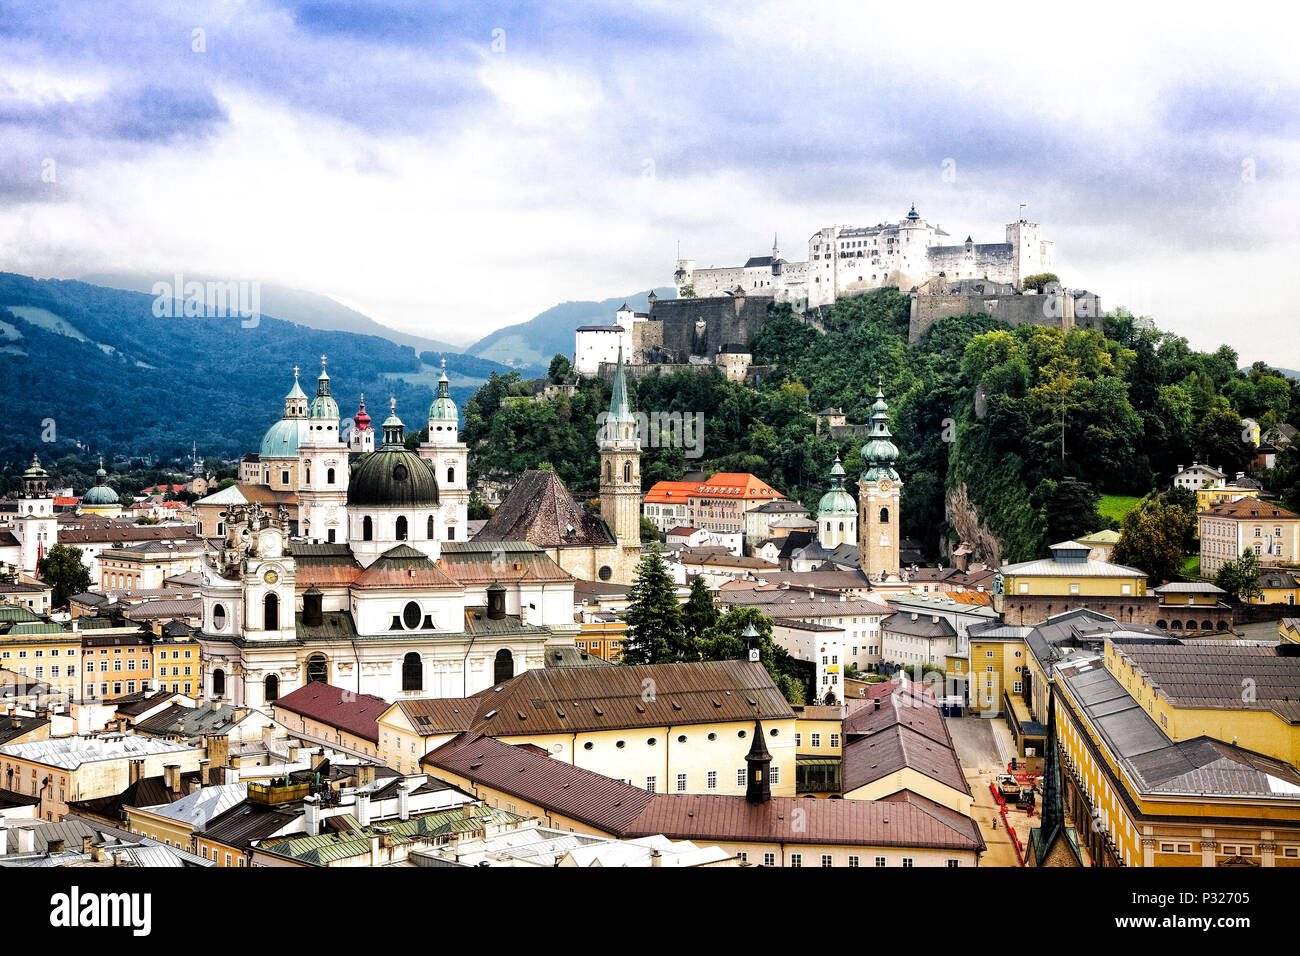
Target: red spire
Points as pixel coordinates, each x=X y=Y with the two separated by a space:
x=361 y=420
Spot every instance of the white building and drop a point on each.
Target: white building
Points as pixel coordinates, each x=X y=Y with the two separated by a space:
x=601 y=343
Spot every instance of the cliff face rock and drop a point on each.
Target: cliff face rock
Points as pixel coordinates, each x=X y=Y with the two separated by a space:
x=965 y=519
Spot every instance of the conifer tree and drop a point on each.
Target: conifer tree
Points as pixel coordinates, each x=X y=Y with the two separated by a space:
x=654 y=618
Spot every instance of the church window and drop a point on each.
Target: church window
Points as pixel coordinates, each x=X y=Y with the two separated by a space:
x=271 y=612
x=841 y=525
x=317 y=669
x=627 y=471
x=306 y=473
x=429 y=528
x=218 y=683
x=606 y=572
x=411 y=615
x=271 y=687
x=504 y=666
x=412 y=672
x=329 y=476
x=609 y=473
x=401 y=528
x=367 y=529
x=451 y=476
x=284 y=477
x=219 y=617
x=884 y=516
x=399 y=472
x=451 y=534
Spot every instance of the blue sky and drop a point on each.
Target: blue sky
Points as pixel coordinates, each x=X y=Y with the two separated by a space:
x=449 y=169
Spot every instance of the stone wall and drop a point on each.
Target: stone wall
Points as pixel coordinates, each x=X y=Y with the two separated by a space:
x=1065 y=310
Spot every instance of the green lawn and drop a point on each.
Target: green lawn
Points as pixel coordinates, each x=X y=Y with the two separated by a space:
x=1115 y=507
x=1192 y=566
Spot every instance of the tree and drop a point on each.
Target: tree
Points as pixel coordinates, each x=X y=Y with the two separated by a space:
x=63 y=570
x=687 y=291
x=654 y=618
x=724 y=642
x=1240 y=578
x=649 y=530
x=1068 y=508
x=1039 y=282
x=1151 y=538
x=699 y=614
x=477 y=509
x=561 y=368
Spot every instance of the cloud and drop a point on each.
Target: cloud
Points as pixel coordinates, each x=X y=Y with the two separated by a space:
x=449 y=168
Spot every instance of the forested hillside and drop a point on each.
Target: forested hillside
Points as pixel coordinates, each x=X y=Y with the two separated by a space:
x=1007 y=436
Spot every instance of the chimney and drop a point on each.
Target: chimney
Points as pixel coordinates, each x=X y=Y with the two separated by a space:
x=656 y=858
x=313 y=614
x=214 y=705
x=172 y=777
x=311 y=814
x=205 y=772
x=26 y=840
x=135 y=770
x=404 y=799
x=53 y=846
x=85 y=843
x=365 y=774
x=293 y=755
x=496 y=596
x=218 y=750
x=363 y=808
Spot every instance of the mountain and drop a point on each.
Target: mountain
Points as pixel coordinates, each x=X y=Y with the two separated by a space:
x=293 y=305
x=530 y=346
x=94 y=366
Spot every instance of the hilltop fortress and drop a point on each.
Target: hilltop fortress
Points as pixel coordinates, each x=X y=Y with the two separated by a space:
x=719 y=311
x=843 y=260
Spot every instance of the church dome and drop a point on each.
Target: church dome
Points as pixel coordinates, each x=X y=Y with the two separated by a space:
x=100 y=494
x=392 y=477
x=281 y=439
x=443 y=408
x=323 y=405
x=837 y=501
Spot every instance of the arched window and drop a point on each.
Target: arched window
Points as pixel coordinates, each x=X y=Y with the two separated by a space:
x=219 y=617
x=401 y=527
x=429 y=532
x=609 y=470
x=504 y=668
x=271 y=687
x=884 y=516
x=411 y=615
x=329 y=476
x=451 y=476
x=841 y=525
x=627 y=471
x=218 y=683
x=271 y=612
x=367 y=529
x=318 y=669
x=412 y=672
x=307 y=473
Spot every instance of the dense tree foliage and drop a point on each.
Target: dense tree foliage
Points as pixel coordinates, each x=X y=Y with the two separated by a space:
x=64 y=572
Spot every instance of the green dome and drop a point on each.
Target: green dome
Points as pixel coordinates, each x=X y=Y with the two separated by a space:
x=837 y=501
x=392 y=477
x=880 y=452
x=100 y=495
x=281 y=439
x=443 y=408
x=323 y=405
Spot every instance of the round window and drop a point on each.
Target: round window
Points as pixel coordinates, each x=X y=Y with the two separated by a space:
x=605 y=572
x=399 y=472
x=587 y=745
x=619 y=745
x=411 y=615
x=219 y=617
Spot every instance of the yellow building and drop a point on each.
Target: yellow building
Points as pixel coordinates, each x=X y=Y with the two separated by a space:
x=175 y=823
x=602 y=637
x=1139 y=797
x=1213 y=495
x=679 y=728
x=178 y=666
x=1248 y=524
x=1277 y=587
x=42 y=651
x=116 y=661
x=1071 y=571
x=342 y=719
x=1288 y=630
x=998 y=662
x=903 y=830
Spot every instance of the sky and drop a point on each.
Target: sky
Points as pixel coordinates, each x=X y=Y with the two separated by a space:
x=452 y=168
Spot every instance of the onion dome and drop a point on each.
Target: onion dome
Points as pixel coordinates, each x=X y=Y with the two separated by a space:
x=837 y=501
x=361 y=419
x=880 y=453
x=100 y=494
x=443 y=408
x=393 y=476
x=323 y=406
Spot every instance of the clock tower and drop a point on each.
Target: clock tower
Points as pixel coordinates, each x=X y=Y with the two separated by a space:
x=879 y=490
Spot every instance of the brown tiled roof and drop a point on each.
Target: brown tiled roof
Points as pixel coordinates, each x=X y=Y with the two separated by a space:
x=571 y=699
x=439 y=715
x=112 y=533
x=1248 y=508
x=627 y=812
x=475 y=562
x=345 y=709
x=905 y=733
x=560 y=787
x=540 y=509
x=404 y=566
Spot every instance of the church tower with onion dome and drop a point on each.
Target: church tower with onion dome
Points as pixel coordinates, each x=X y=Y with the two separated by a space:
x=879 y=492
x=449 y=458
x=323 y=469
x=361 y=440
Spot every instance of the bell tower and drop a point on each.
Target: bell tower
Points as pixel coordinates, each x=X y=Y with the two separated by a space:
x=620 y=475
x=449 y=457
x=35 y=526
x=879 y=492
x=323 y=469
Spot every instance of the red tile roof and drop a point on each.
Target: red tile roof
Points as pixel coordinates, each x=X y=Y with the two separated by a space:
x=345 y=709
